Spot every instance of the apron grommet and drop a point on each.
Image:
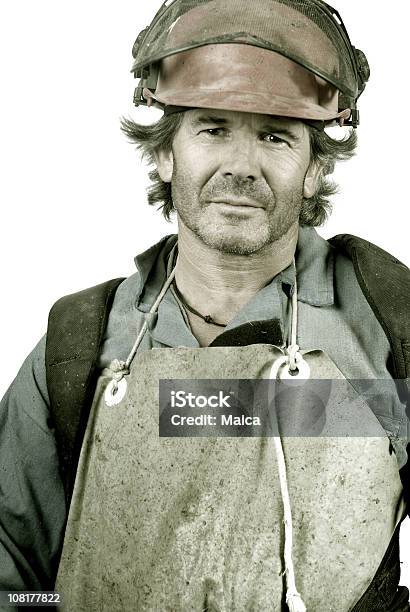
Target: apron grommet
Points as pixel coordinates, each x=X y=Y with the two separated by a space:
x=280 y=369
x=115 y=392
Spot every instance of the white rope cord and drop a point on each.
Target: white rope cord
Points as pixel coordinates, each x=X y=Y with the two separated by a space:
x=293 y=349
x=293 y=599
x=152 y=311
x=121 y=368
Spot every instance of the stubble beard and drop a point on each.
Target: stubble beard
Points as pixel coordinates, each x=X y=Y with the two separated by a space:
x=237 y=234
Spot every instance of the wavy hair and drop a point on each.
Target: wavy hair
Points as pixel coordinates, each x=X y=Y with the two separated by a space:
x=325 y=151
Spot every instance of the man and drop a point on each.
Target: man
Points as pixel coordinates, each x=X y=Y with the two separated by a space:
x=242 y=156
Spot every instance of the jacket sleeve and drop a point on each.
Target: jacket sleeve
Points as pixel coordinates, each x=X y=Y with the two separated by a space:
x=32 y=505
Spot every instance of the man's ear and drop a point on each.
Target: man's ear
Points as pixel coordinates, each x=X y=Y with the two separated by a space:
x=311 y=179
x=165 y=164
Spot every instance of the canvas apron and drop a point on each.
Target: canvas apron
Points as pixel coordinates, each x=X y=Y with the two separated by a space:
x=181 y=524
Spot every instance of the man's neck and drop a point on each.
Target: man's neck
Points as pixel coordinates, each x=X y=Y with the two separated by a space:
x=220 y=284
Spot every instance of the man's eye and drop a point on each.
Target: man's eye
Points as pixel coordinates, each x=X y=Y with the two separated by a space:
x=214 y=131
x=273 y=138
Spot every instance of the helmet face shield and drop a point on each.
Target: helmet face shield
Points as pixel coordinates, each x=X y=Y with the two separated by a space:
x=262 y=82
x=290 y=36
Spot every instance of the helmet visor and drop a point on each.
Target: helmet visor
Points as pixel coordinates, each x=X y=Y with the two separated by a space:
x=304 y=31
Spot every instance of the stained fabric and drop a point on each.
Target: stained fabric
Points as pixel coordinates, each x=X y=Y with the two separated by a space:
x=208 y=531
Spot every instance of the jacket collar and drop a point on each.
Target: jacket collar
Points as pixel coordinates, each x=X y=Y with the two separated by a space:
x=314 y=265
x=315 y=268
x=152 y=269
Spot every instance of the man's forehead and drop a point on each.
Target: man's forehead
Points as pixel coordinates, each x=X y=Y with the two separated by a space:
x=199 y=116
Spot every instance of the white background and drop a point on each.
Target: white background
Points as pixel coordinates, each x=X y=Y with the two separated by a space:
x=73 y=209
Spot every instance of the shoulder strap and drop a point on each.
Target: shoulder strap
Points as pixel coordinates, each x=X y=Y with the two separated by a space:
x=75 y=333
x=385 y=282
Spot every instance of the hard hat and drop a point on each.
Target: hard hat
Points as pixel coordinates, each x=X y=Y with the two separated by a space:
x=290 y=58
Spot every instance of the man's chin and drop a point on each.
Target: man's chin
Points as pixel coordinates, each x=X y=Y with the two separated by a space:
x=234 y=244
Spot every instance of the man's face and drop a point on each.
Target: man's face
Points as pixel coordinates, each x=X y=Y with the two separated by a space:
x=238 y=179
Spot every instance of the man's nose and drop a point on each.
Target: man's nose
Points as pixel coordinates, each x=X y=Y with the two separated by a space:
x=241 y=158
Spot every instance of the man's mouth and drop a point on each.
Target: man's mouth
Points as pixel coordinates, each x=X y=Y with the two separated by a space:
x=238 y=203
